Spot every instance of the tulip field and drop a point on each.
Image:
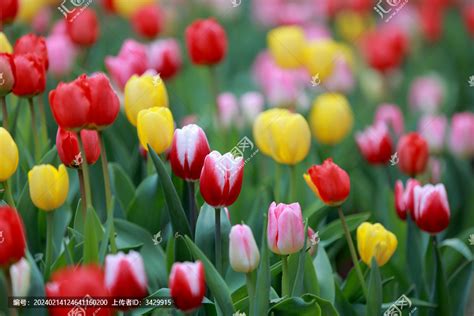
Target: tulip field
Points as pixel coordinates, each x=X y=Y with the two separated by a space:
x=237 y=157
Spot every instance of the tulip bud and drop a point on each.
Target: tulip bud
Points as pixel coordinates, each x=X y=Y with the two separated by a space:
x=68 y=147
x=319 y=58
x=331 y=118
x=61 y=54
x=127 y=8
x=187 y=285
x=243 y=252
x=188 y=151
x=262 y=131
x=30 y=75
x=12 y=236
x=142 y=93
x=374 y=241
x=427 y=94
x=469 y=18
x=329 y=182
x=8 y=155
x=404 y=202
x=431 y=208
x=206 y=41
x=105 y=104
x=27 y=10
x=461 y=140
x=20 y=274
x=148 y=21
x=251 y=104
x=285 y=229
x=221 y=179
x=228 y=109
x=413 y=154
x=433 y=129
x=5 y=46
x=390 y=115
x=31 y=43
x=48 y=186
x=375 y=144
x=155 y=128
x=286 y=45
x=164 y=56
x=84 y=28
x=125 y=275
x=9 y=10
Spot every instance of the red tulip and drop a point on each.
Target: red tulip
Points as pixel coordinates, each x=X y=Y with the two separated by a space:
x=148 y=21
x=404 y=202
x=188 y=151
x=431 y=208
x=221 y=179
x=108 y=5
x=413 y=152
x=30 y=75
x=329 y=182
x=7 y=74
x=12 y=236
x=375 y=144
x=206 y=41
x=68 y=147
x=105 y=104
x=469 y=18
x=78 y=282
x=431 y=16
x=8 y=11
x=164 y=56
x=31 y=43
x=84 y=28
x=187 y=285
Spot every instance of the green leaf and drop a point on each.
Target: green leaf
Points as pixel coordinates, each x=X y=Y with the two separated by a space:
x=311 y=283
x=314 y=209
x=163 y=293
x=334 y=230
x=459 y=285
x=122 y=186
x=262 y=289
x=440 y=293
x=36 y=287
x=306 y=305
x=414 y=258
x=298 y=285
x=351 y=287
x=457 y=245
x=374 y=301
x=324 y=274
x=91 y=243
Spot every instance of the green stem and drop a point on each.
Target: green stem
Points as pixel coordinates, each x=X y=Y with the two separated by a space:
x=192 y=205
x=80 y=174
x=285 y=282
x=292 y=184
x=34 y=130
x=49 y=243
x=218 y=241
x=250 y=288
x=276 y=184
x=214 y=92
x=85 y=172
x=108 y=192
x=44 y=124
x=8 y=194
x=4 y=112
x=355 y=261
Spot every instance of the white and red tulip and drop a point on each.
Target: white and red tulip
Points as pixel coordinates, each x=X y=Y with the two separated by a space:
x=404 y=202
x=431 y=208
x=375 y=144
x=243 y=252
x=187 y=285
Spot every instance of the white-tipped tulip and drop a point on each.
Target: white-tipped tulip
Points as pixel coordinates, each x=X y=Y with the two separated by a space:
x=243 y=252
x=20 y=273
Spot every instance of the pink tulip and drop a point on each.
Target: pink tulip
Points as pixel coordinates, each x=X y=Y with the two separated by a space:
x=342 y=77
x=41 y=21
x=431 y=208
x=315 y=32
x=285 y=230
x=427 y=94
x=404 y=197
x=251 y=104
x=164 y=56
x=375 y=144
x=243 y=252
x=276 y=12
x=228 y=109
x=461 y=140
x=61 y=54
x=392 y=116
x=433 y=129
x=435 y=168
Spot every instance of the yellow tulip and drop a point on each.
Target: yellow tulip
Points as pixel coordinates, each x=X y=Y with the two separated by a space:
x=28 y=9
x=291 y=138
x=331 y=118
x=143 y=92
x=8 y=155
x=262 y=129
x=320 y=56
x=352 y=25
x=127 y=8
x=5 y=46
x=373 y=240
x=156 y=128
x=286 y=44
x=48 y=186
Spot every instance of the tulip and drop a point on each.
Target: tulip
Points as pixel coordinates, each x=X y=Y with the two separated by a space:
x=12 y=236
x=352 y=25
x=331 y=118
x=404 y=202
x=329 y=182
x=251 y=104
x=68 y=147
x=143 y=93
x=127 y=8
x=342 y=78
x=7 y=71
x=40 y=23
x=243 y=252
x=188 y=151
x=427 y=94
x=125 y=275
x=105 y=104
x=319 y=57
x=155 y=128
x=84 y=28
x=8 y=11
x=164 y=56
x=262 y=131
x=390 y=115
x=375 y=144
x=5 y=46
x=30 y=75
x=187 y=285
x=61 y=54
x=48 y=186
x=28 y=10
x=148 y=21
x=461 y=140
x=469 y=18
x=221 y=179
x=431 y=18
x=431 y=208
x=374 y=241
x=206 y=41
x=20 y=274
x=228 y=109
x=285 y=229
x=8 y=155
x=31 y=43
x=286 y=44
x=433 y=130
x=413 y=156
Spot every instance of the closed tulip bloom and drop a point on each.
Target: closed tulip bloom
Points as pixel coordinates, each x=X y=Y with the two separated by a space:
x=243 y=252
x=433 y=130
x=375 y=144
x=20 y=274
x=142 y=93
x=5 y=46
x=125 y=275
x=413 y=154
x=392 y=116
x=319 y=57
x=8 y=11
x=32 y=43
x=291 y=138
x=331 y=118
x=7 y=69
x=155 y=128
x=221 y=179
x=84 y=29
x=13 y=246
x=431 y=208
x=404 y=198
x=67 y=145
x=251 y=104
x=461 y=140
x=374 y=241
x=148 y=21
x=285 y=229
x=30 y=75
x=206 y=41
x=286 y=44
x=28 y=10
x=427 y=94
x=60 y=46
x=164 y=56
x=127 y=8
x=105 y=104
x=8 y=155
x=228 y=109
x=187 y=285
x=48 y=186
x=468 y=18
x=262 y=129
x=329 y=182
x=188 y=151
